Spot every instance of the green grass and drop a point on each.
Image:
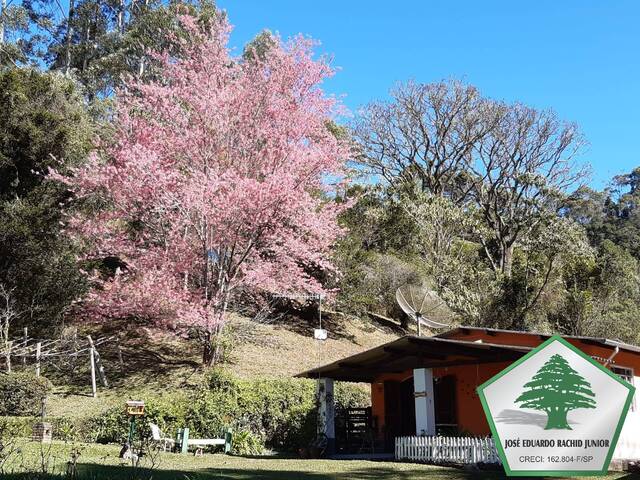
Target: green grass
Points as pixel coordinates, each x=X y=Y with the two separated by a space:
x=101 y=462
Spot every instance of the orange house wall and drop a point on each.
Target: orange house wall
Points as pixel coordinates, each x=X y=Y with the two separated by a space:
x=470 y=415
x=471 y=418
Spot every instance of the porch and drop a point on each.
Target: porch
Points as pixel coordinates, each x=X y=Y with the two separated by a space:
x=421 y=388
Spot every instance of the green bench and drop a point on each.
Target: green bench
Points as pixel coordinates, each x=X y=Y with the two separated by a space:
x=183 y=442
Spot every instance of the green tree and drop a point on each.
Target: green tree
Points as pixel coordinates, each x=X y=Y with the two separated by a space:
x=612 y=214
x=600 y=295
x=43 y=123
x=102 y=41
x=557 y=389
x=14 y=27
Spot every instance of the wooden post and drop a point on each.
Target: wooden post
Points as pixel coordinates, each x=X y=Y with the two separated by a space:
x=228 y=438
x=98 y=362
x=184 y=447
x=25 y=340
x=38 y=352
x=120 y=359
x=94 y=389
x=9 y=346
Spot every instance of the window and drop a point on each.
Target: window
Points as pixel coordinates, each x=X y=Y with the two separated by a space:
x=627 y=375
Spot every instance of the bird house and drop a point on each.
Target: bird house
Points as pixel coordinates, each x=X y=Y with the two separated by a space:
x=135 y=408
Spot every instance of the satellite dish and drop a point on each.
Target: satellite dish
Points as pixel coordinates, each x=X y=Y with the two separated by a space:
x=417 y=303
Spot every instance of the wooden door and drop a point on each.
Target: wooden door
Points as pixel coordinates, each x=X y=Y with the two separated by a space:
x=445 y=402
x=399 y=410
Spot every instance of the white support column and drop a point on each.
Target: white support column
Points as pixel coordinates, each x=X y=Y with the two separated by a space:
x=423 y=393
x=326 y=412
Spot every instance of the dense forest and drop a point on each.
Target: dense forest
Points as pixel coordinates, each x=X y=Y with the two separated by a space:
x=486 y=202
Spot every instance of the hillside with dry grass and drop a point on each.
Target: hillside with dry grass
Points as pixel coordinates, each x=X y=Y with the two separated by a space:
x=154 y=364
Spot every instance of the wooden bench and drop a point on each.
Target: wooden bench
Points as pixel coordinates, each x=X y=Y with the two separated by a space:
x=183 y=442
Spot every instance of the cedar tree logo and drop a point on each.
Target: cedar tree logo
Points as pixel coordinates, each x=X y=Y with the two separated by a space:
x=556 y=412
x=555 y=389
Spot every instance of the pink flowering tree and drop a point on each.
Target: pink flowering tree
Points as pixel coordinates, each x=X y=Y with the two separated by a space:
x=217 y=178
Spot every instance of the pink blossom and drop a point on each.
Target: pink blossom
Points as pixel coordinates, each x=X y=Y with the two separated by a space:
x=214 y=181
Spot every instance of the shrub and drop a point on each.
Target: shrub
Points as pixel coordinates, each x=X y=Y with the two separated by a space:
x=22 y=393
x=16 y=427
x=65 y=429
x=282 y=412
x=276 y=413
x=111 y=426
x=221 y=380
x=246 y=443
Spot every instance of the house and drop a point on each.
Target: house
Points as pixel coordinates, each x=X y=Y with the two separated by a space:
x=427 y=385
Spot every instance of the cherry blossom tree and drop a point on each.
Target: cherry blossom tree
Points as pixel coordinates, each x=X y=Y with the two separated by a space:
x=221 y=176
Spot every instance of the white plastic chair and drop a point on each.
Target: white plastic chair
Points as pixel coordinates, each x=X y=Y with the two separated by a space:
x=156 y=436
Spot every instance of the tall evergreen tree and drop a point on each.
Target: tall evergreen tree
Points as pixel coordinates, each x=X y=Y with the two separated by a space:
x=42 y=124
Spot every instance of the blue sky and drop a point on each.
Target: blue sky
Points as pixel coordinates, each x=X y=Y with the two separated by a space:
x=579 y=57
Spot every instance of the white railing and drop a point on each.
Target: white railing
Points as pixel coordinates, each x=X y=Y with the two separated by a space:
x=447 y=449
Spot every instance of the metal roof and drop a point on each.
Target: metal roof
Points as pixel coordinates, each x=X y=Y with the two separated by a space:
x=410 y=352
x=608 y=342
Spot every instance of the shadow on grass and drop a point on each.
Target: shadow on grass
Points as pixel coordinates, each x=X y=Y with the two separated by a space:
x=110 y=472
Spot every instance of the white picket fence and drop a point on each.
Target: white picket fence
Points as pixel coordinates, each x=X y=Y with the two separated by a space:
x=447 y=449
x=628 y=448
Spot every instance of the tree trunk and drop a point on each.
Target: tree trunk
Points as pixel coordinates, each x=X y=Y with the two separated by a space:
x=142 y=61
x=3 y=11
x=121 y=8
x=208 y=354
x=507 y=260
x=218 y=348
x=85 y=53
x=557 y=419
x=67 y=53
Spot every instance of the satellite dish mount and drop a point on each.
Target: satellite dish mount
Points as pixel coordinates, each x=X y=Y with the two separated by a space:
x=417 y=302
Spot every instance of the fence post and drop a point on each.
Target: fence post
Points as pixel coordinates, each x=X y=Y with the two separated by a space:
x=38 y=353
x=185 y=441
x=94 y=389
x=98 y=362
x=25 y=341
x=228 y=435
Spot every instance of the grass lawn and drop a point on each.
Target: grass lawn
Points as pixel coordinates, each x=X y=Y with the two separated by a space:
x=101 y=462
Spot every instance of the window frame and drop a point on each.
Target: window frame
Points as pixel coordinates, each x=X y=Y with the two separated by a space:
x=628 y=375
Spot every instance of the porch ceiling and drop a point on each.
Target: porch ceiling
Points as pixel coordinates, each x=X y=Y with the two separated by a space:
x=411 y=352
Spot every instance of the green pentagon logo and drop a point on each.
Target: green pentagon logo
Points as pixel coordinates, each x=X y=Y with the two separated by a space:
x=556 y=412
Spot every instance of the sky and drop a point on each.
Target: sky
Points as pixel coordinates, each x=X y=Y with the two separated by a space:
x=578 y=57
